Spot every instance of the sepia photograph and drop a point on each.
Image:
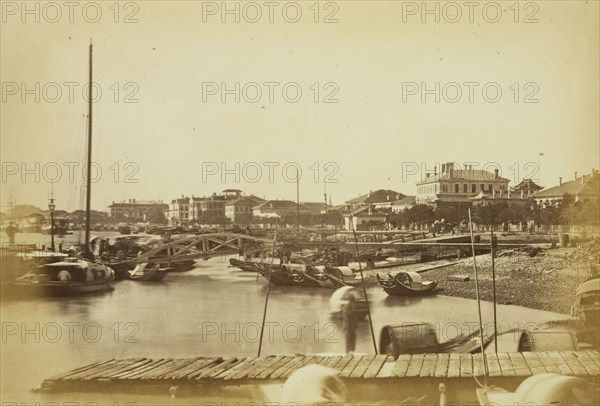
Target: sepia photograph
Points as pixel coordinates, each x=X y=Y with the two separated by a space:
x=309 y=202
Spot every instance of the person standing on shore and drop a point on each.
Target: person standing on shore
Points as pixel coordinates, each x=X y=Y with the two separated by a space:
x=10 y=231
x=349 y=324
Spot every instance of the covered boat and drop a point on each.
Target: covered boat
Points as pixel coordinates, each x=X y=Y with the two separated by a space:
x=406 y=283
x=64 y=278
x=587 y=303
x=306 y=275
x=251 y=266
x=341 y=275
x=276 y=275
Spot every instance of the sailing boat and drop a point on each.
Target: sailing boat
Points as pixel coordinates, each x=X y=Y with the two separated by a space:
x=72 y=276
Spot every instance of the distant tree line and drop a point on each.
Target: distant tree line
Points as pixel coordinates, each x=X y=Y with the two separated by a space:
x=565 y=212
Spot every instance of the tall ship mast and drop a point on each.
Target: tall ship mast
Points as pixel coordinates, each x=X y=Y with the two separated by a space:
x=88 y=200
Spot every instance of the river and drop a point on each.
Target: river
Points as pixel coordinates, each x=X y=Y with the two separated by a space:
x=211 y=310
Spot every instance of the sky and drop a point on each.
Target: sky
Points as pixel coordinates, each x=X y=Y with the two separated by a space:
x=196 y=97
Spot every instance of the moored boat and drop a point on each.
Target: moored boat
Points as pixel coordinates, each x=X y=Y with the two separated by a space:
x=306 y=275
x=406 y=283
x=275 y=275
x=65 y=278
x=341 y=276
x=587 y=302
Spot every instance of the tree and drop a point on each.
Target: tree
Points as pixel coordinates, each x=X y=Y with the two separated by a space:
x=419 y=215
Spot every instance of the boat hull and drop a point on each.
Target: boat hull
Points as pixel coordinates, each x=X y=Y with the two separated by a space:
x=245 y=266
x=60 y=288
x=394 y=288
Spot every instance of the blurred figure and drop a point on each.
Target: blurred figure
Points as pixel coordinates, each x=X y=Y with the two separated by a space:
x=10 y=231
x=349 y=324
x=313 y=385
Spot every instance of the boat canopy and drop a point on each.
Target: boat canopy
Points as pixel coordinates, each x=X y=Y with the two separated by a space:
x=416 y=277
x=346 y=270
x=588 y=286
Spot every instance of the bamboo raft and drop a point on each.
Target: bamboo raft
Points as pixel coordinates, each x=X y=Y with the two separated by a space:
x=221 y=371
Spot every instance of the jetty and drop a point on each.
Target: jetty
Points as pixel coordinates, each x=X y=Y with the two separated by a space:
x=366 y=375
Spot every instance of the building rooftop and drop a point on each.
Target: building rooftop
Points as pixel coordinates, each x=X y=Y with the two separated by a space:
x=527 y=185
x=279 y=205
x=378 y=196
x=586 y=185
x=404 y=201
x=244 y=201
x=134 y=202
x=315 y=206
x=471 y=175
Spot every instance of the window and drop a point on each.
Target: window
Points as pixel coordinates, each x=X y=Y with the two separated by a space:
x=482 y=187
x=490 y=187
x=473 y=188
x=464 y=188
x=456 y=188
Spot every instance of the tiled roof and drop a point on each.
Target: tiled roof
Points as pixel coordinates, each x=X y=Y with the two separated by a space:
x=279 y=205
x=315 y=206
x=587 y=185
x=378 y=196
x=527 y=184
x=405 y=201
x=473 y=175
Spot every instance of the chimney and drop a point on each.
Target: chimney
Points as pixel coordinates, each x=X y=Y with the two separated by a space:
x=560 y=181
x=496 y=173
x=434 y=170
x=443 y=168
x=583 y=179
x=575 y=174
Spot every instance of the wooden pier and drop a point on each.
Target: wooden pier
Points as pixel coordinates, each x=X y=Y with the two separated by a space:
x=164 y=374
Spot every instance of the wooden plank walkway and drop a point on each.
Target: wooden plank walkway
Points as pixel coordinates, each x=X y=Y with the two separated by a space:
x=254 y=370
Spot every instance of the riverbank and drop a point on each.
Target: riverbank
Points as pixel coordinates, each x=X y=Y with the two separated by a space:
x=546 y=281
